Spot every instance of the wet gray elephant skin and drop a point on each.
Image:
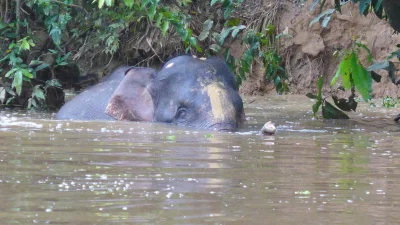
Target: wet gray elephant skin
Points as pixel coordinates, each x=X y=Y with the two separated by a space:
x=186 y=91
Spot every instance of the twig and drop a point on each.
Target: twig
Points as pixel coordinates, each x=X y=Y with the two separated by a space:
x=24 y=11
x=73 y=37
x=112 y=56
x=5 y=11
x=148 y=42
x=71 y=5
x=18 y=17
x=146 y=59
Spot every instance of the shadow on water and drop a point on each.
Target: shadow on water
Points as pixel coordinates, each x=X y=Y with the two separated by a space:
x=310 y=172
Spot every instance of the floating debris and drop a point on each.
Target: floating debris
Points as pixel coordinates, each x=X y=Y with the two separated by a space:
x=268 y=128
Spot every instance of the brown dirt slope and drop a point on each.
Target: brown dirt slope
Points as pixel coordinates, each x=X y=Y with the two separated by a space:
x=310 y=52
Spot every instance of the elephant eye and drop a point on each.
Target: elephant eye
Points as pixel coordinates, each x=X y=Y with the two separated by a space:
x=181 y=114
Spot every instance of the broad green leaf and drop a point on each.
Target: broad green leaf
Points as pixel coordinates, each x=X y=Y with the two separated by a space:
x=331 y=112
x=193 y=41
x=158 y=20
x=26 y=73
x=152 y=11
x=345 y=70
x=316 y=19
x=216 y=48
x=207 y=25
x=42 y=66
x=364 y=4
x=109 y=2
x=129 y=3
x=165 y=27
x=184 y=33
x=315 y=2
x=17 y=82
x=24 y=44
x=326 y=21
x=213 y=2
x=38 y=92
x=11 y=72
x=237 y=29
x=362 y=79
x=227 y=12
x=224 y=33
x=56 y=35
x=100 y=3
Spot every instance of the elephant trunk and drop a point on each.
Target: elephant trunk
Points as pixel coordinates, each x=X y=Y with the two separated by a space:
x=226 y=115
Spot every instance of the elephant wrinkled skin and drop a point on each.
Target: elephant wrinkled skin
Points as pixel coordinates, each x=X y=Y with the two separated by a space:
x=186 y=91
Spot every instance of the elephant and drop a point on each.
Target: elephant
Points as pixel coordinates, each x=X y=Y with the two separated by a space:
x=187 y=91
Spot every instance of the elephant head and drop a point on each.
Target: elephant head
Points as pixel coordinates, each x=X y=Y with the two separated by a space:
x=186 y=91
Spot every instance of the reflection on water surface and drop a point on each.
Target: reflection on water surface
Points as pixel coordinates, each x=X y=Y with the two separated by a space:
x=310 y=172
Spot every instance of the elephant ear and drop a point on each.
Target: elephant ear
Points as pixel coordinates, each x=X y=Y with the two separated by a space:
x=132 y=99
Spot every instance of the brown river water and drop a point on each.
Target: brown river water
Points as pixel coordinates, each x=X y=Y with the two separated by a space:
x=310 y=172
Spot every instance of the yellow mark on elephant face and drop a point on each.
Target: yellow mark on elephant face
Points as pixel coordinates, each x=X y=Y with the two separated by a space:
x=221 y=107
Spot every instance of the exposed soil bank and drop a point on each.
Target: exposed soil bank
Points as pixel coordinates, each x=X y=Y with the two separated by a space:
x=309 y=53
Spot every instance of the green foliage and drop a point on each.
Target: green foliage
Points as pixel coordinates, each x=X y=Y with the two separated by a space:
x=19 y=71
x=328 y=110
x=227 y=5
x=389 y=102
x=161 y=16
x=207 y=25
x=37 y=99
x=354 y=77
x=365 y=6
x=105 y=24
x=262 y=45
x=55 y=15
x=331 y=112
